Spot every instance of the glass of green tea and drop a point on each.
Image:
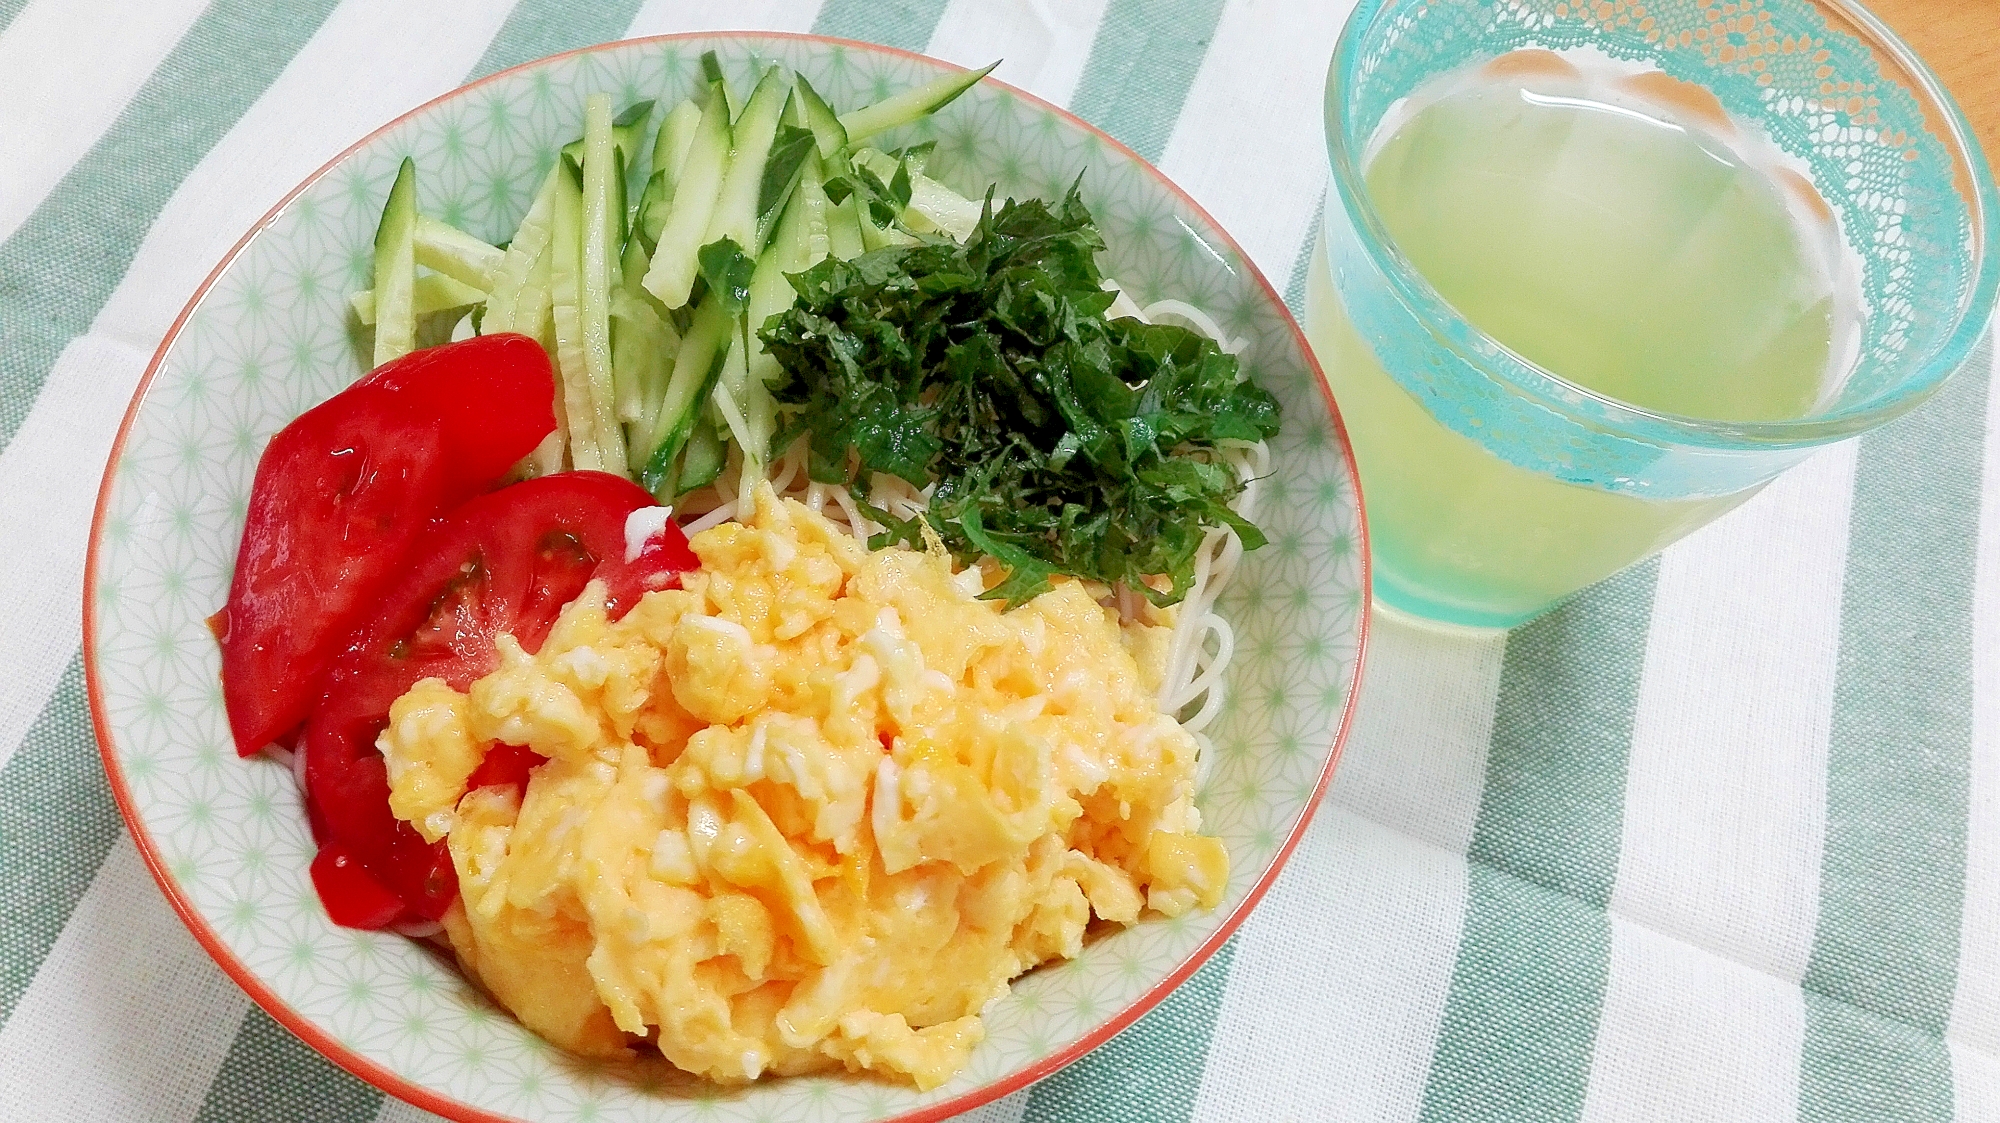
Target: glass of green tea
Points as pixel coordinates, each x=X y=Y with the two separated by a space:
x=1593 y=272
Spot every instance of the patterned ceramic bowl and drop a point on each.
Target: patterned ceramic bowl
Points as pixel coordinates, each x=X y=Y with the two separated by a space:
x=266 y=337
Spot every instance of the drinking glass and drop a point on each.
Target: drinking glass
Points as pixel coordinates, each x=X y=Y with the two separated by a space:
x=1494 y=487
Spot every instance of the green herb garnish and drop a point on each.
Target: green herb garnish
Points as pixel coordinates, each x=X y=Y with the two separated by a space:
x=1061 y=442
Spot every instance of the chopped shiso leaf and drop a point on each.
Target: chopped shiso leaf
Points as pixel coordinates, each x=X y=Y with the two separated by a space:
x=1061 y=442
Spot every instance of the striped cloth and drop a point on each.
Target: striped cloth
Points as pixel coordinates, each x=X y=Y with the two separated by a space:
x=1720 y=840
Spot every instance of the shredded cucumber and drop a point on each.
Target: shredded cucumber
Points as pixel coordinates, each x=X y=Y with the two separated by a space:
x=605 y=285
x=908 y=106
x=815 y=213
x=703 y=459
x=396 y=268
x=566 y=283
x=670 y=150
x=672 y=272
x=735 y=213
x=641 y=343
x=456 y=254
x=818 y=116
x=875 y=237
x=933 y=207
x=843 y=229
x=731 y=418
x=432 y=292
x=515 y=303
x=938 y=207
x=534 y=315
x=601 y=231
x=711 y=73
x=628 y=133
x=697 y=368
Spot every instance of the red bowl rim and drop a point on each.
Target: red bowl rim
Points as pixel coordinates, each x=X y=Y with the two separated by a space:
x=430 y=1100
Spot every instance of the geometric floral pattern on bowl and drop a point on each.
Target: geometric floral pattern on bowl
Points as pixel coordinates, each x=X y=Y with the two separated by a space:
x=269 y=336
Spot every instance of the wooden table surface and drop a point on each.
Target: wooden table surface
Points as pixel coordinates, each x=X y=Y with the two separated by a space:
x=1960 y=40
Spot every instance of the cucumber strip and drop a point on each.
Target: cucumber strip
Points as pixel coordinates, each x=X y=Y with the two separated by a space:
x=432 y=292
x=602 y=232
x=718 y=86
x=726 y=414
x=697 y=368
x=783 y=168
x=670 y=149
x=735 y=213
x=735 y=378
x=537 y=312
x=651 y=216
x=875 y=160
x=875 y=237
x=641 y=343
x=760 y=423
x=547 y=459
x=908 y=106
x=643 y=346
x=820 y=118
x=620 y=209
x=742 y=396
x=534 y=305
x=631 y=121
x=396 y=268
x=703 y=459
x=815 y=214
x=843 y=229
x=672 y=272
x=628 y=132
x=504 y=310
x=456 y=254
x=566 y=283
x=916 y=157
x=671 y=144
x=632 y=273
x=770 y=292
x=933 y=206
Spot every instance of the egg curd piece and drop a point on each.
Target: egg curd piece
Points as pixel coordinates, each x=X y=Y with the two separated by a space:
x=814 y=809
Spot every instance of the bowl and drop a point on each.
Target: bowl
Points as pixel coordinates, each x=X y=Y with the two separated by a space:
x=267 y=335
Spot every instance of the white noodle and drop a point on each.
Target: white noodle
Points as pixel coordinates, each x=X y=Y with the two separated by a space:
x=1122 y=305
x=713 y=518
x=857 y=523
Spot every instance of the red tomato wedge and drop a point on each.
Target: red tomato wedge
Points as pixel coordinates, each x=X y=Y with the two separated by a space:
x=505 y=765
x=505 y=562
x=494 y=395
x=339 y=496
x=352 y=898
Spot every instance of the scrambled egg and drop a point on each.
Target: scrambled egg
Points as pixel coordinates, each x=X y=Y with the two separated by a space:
x=816 y=808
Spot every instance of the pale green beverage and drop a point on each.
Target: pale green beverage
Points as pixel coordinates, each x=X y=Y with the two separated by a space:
x=1617 y=230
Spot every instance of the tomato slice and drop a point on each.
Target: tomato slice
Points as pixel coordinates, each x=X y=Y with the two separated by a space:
x=352 y=897
x=494 y=395
x=339 y=495
x=505 y=765
x=506 y=562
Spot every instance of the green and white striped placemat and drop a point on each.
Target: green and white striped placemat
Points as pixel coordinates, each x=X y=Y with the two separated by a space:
x=1718 y=841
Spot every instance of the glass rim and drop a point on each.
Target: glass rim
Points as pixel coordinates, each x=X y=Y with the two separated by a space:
x=1982 y=202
